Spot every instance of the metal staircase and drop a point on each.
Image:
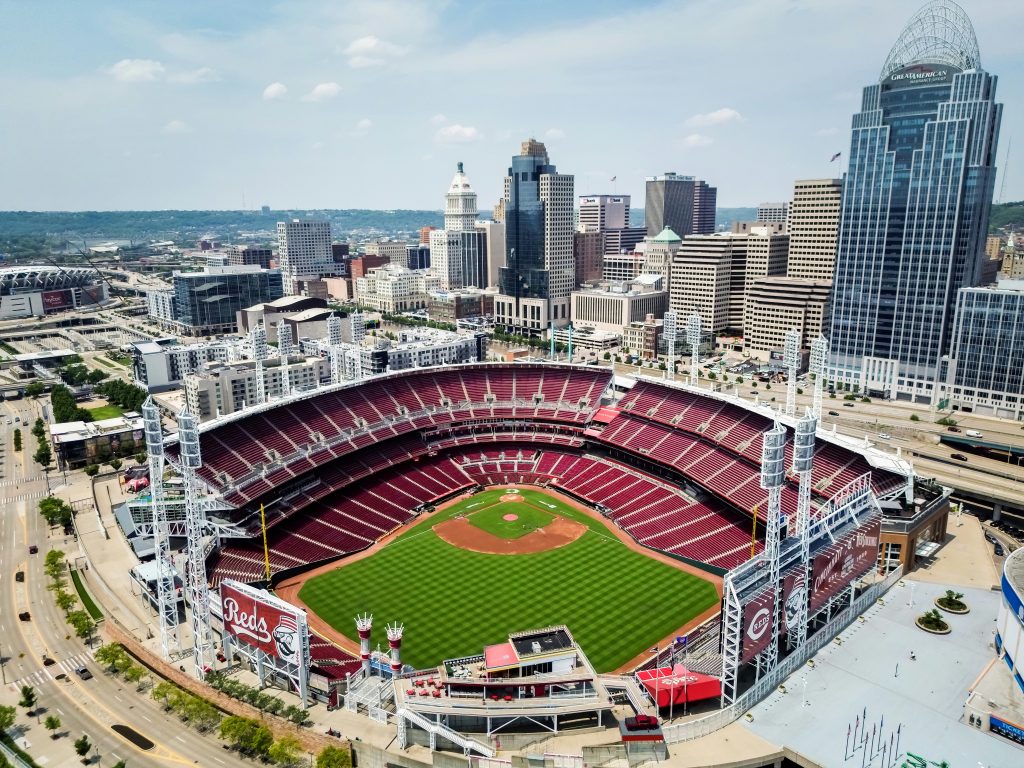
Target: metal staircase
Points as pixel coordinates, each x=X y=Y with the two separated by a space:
x=436 y=729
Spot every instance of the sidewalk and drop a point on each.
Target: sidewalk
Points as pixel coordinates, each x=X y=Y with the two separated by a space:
x=965 y=560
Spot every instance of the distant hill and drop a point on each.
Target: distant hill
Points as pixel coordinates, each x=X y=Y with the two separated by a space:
x=1006 y=215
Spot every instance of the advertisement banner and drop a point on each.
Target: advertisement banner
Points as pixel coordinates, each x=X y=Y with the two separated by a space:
x=257 y=619
x=53 y=300
x=837 y=565
x=757 y=623
x=794 y=593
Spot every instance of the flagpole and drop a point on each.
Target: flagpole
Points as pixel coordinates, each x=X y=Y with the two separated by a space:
x=266 y=549
x=898 y=729
x=846 y=749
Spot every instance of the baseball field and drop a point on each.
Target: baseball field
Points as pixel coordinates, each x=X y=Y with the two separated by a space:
x=507 y=560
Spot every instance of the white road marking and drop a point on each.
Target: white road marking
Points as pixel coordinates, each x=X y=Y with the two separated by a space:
x=181 y=739
x=146 y=719
x=220 y=761
x=118 y=697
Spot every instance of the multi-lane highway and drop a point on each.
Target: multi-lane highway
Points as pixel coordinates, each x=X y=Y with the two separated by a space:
x=84 y=706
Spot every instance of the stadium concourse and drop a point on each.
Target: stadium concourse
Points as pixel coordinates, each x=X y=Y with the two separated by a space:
x=675 y=468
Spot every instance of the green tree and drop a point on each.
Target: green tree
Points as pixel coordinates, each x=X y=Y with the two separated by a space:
x=53 y=564
x=17 y=439
x=286 y=751
x=34 y=390
x=115 y=464
x=65 y=601
x=83 y=625
x=28 y=699
x=914 y=417
x=43 y=456
x=7 y=717
x=202 y=714
x=120 y=764
x=246 y=735
x=52 y=723
x=334 y=757
x=163 y=691
x=140 y=457
x=82 y=746
x=109 y=654
x=92 y=470
x=607 y=355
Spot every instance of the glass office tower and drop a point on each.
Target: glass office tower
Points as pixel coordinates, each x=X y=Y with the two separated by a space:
x=915 y=207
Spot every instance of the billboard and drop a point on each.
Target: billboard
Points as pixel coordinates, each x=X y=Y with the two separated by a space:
x=794 y=592
x=757 y=623
x=256 y=618
x=54 y=300
x=838 y=564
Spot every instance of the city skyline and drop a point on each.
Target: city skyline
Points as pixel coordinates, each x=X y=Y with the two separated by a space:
x=299 y=106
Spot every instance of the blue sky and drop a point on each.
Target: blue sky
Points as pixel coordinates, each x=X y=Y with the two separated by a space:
x=313 y=104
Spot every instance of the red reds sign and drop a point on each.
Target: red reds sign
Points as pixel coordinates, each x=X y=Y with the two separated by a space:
x=258 y=619
x=839 y=564
x=757 y=623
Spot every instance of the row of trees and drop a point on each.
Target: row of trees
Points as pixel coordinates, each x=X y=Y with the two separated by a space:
x=79 y=374
x=42 y=456
x=190 y=709
x=56 y=511
x=17 y=439
x=56 y=569
x=116 y=659
x=121 y=393
x=65 y=407
x=257 y=698
x=253 y=739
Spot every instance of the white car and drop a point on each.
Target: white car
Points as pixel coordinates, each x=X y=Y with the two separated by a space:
x=884 y=436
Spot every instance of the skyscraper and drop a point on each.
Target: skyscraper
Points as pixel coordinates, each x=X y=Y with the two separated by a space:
x=304 y=252
x=601 y=212
x=705 y=203
x=814 y=228
x=535 y=282
x=915 y=209
x=682 y=203
x=458 y=253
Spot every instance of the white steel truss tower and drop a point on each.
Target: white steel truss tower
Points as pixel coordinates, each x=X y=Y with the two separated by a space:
x=259 y=354
x=166 y=599
x=284 y=349
x=195 y=529
x=773 y=477
x=819 y=354
x=671 y=329
x=693 y=337
x=791 y=359
x=803 y=457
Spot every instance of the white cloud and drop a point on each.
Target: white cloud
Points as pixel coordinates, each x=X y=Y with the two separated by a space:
x=371 y=51
x=275 y=91
x=826 y=132
x=438 y=119
x=362 y=127
x=457 y=134
x=136 y=70
x=697 y=140
x=176 y=127
x=322 y=92
x=718 y=117
x=201 y=75
x=554 y=134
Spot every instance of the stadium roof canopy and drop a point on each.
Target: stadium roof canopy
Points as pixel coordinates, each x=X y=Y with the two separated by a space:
x=44 y=278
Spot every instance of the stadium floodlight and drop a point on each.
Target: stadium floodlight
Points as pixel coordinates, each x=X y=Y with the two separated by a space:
x=693 y=338
x=195 y=530
x=166 y=597
x=791 y=359
x=358 y=320
x=773 y=477
x=671 y=330
x=803 y=460
x=819 y=354
x=258 y=335
x=334 y=329
x=284 y=350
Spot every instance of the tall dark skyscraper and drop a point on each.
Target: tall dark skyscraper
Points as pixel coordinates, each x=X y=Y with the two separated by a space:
x=682 y=203
x=538 y=275
x=915 y=207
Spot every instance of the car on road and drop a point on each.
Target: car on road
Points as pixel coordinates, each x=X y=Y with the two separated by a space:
x=973 y=433
x=958 y=456
x=954 y=429
x=25 y=616
x=998 y=549
x=48 y=662
x=990 y=538
x=84 y=673
x=884 y=436
x=33 y=549
x=833 y=413
x=19 y=576
x=847 y=405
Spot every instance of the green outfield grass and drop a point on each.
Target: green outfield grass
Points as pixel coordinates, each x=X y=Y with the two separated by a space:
x=105 y=412
x=492 y=519
x=453 y=602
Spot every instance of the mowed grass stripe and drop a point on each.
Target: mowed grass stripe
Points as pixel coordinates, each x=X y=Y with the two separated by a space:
x=453 y=602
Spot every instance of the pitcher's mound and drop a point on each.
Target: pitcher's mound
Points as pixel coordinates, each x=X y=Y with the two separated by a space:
x=510 y=517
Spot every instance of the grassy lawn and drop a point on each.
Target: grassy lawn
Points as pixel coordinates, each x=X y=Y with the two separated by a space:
x=453 y=602
x=83 y=595
x=105 y=412
x=104 y=361
x=528 y=519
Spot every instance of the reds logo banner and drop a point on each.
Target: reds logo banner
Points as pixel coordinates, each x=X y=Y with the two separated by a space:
x=794 y=595
x=757 y=623
x=838 y=565
x=263 y=624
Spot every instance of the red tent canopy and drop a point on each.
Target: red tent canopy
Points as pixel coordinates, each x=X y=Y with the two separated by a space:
x=676 y=685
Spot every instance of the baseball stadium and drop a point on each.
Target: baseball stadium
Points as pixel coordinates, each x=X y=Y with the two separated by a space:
x=547 y=544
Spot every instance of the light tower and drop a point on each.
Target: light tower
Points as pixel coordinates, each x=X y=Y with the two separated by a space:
x=791 y=359
x=284 y=349
x=364 y=626
x=195 y=528
x=693 y=337
x=166 y=599
x=334 y=330
x=803 y=456
x=819 y=354
x=773 y=476
x=395 y=632
x=671 y=329
x=358 y=327
x=258 y=336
